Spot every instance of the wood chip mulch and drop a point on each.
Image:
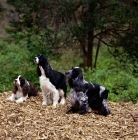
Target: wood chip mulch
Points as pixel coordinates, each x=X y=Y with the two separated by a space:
x=32 y=121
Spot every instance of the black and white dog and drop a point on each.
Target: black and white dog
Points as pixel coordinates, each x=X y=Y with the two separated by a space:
x=52 y=82
x=22 y=90
x=84 y=94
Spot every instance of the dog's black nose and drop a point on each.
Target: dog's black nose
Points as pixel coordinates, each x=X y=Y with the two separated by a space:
x=34 y=58
x=66 y=73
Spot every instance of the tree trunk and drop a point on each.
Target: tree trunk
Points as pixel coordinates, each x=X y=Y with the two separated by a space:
x=83 y=48
x=87 y=49
x=97 y=51
x=90 y=50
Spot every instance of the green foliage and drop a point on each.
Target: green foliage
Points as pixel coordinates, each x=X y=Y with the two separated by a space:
x=66 y=61
x=57 y=24
x=121 y=82
x=14 y=61
x=43 y=26
x=123 y=86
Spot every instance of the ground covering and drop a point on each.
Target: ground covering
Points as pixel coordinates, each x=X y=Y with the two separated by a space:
x=32 y=121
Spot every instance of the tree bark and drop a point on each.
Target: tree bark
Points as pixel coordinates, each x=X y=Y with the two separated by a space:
x=90 y=50
x=97 y=51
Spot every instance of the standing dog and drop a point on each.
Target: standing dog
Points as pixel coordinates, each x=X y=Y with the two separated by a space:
x=56 y=81
x=85 y=94
x=22 y=90
x=49 y=92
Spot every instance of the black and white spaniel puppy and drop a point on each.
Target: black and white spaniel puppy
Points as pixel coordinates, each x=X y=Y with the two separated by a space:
x=51 y=81
x=22 y=90
x=84 y=94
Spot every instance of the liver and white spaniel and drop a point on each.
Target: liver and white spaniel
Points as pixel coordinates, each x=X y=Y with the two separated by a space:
x=22 y=90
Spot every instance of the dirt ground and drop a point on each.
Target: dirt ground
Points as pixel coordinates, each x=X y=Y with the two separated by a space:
x=32 y=121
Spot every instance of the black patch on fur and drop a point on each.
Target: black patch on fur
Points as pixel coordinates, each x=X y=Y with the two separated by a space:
x=58 y=79
x=95 y=98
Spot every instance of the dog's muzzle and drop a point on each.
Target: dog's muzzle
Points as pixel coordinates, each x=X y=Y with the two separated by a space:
x=36 y=60
x=16 y=82
x=68 y=74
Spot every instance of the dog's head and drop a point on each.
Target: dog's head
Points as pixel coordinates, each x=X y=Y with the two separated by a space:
x=19 y=81
x=73 y=76
x=74 y=73
x=41 y=60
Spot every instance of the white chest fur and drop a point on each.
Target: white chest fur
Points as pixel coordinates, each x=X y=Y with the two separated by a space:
x=18 y=97
x=18 y=94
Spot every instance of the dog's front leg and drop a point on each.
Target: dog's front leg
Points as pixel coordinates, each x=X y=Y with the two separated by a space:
x=44 y=98
x=11 y=98
x=49 y=98
x=105 y=109
x=61 y=93
x=55 y=98
x=22 y=99
x=84 y=107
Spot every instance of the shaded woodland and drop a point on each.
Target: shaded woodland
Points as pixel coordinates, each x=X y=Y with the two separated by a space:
x=99 y=36
x=86 y=27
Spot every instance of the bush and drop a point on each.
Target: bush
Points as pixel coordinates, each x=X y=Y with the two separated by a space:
x=14 y=61
x=17 y=59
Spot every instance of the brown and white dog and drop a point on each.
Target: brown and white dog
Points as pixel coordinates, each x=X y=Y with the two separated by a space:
x=22 y=90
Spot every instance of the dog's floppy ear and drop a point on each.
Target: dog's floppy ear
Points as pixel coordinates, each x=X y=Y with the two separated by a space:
x=80 y=77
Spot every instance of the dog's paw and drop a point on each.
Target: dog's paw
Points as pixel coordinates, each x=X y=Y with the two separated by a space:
x=82 y=112
x=20 y=100
x=63 y=101
x=44 y=103
x=11 y=98
x=105 y=112
x=72 y=110
x=55 y=105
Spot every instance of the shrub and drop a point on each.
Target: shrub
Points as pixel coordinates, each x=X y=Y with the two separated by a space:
x=122 y=85
x=17 y=59
x=14 y=61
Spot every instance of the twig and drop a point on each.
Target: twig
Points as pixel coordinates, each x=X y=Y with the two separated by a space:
x=134 y=119
x=127 y=134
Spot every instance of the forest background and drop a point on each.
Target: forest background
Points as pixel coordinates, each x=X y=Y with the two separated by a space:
x=100 y=37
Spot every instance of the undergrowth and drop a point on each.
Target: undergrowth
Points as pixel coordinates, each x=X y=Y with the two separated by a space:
x=121 y=82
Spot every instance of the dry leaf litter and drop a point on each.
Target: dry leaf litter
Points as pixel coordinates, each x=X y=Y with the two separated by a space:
x=32 y=121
